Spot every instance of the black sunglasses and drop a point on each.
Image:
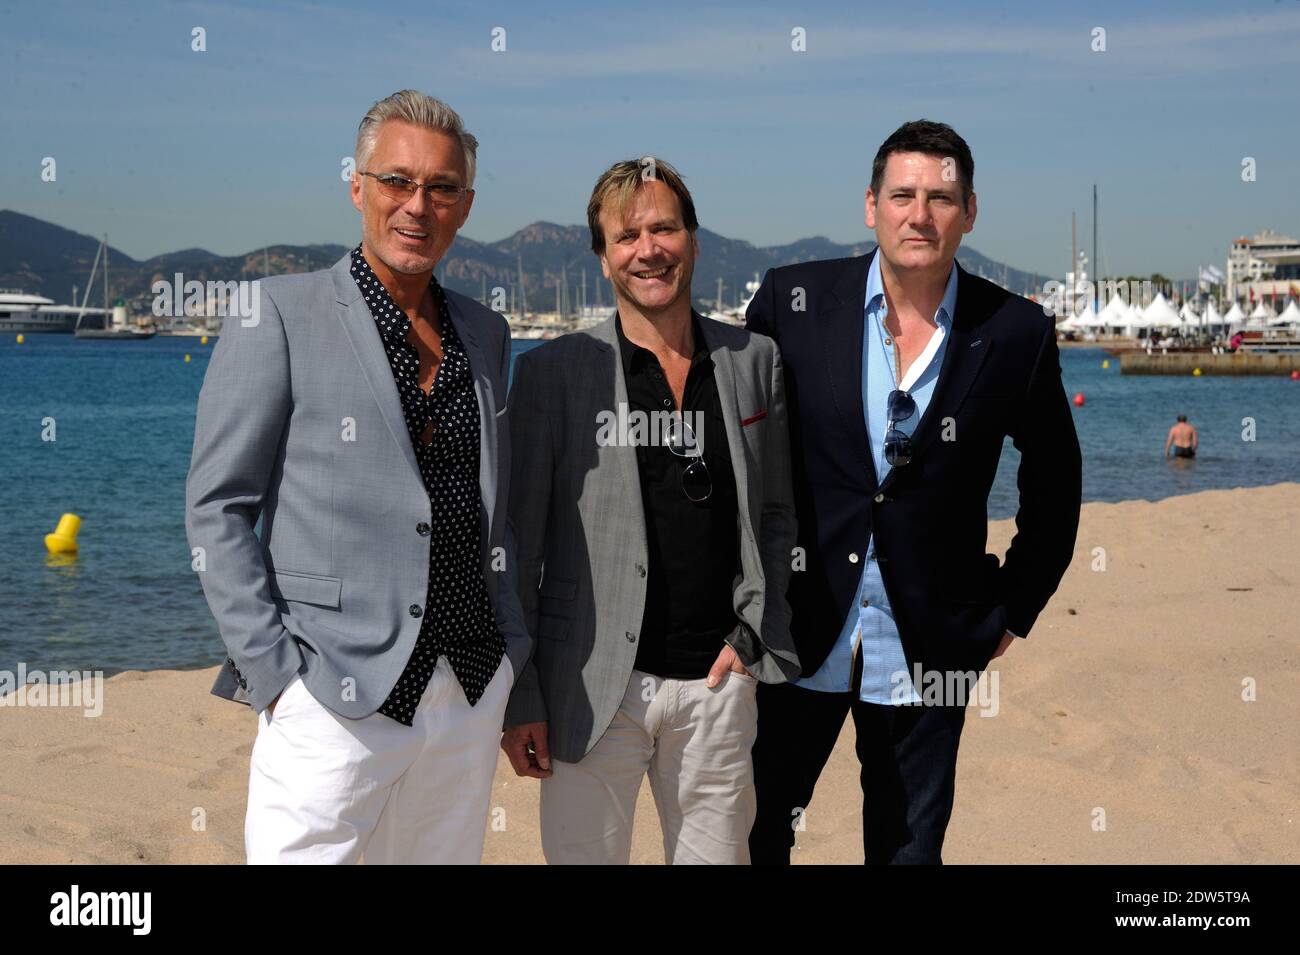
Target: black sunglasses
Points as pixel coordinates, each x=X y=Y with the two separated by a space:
x=898 y=444
x=681 y=441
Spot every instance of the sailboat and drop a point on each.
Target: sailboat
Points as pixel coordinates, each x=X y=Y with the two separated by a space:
x=115 y=323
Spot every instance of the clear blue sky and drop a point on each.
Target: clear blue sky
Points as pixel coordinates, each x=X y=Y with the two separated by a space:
x=165 y=148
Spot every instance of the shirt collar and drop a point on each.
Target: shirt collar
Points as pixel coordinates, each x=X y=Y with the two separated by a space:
x=947 y=305
x=629 y=351
x=395 y=327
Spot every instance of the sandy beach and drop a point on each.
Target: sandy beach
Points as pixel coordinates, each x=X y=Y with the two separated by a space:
x=1120 y=736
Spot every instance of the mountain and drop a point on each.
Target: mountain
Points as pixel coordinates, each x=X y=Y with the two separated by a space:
x=47 y=259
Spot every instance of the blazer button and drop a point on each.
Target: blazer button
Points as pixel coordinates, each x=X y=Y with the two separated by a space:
x=640 y=569
x=422 y=529
x=853 y=558
x=880 y=498
x=415 y=610
x=243 y=684
x=631 y=637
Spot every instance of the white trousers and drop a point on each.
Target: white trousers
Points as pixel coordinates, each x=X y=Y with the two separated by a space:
x=323 y=788
x=694 y=742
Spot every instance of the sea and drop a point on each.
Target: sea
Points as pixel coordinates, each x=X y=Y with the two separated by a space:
x=122 y=414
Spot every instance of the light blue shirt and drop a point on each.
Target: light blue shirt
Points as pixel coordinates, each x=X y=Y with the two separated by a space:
x=870 y=623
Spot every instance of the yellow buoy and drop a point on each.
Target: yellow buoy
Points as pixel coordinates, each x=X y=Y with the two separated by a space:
x=187 y=357
x=203 y=340
x=1105 y=363
x=20 y=338
x=64 y=538
x=1196 y=373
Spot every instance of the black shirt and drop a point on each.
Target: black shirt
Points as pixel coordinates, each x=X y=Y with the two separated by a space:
x=457 y=617
x=694 y=547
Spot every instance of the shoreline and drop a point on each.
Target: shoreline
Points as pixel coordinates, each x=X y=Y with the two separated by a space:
x=1125 y=706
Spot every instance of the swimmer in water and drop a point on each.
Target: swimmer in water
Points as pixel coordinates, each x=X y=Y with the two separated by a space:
x=1182 y=437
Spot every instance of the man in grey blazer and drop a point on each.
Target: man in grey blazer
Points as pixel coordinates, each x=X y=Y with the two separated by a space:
x=652 y=508
x=373 y=623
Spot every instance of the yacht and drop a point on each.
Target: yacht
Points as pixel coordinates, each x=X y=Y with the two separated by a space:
x=21 y=312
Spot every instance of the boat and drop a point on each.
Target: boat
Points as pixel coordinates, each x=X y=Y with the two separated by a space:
x=26 y=313
x=116 y=326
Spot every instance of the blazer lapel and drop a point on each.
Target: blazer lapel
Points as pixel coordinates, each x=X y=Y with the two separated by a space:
x=841 y=321
x=726 y=381
x=626 y=474
x=359 y=324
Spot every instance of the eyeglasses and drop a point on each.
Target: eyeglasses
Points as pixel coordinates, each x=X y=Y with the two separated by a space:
x=681 y=441
x=898 y=444
x=401 y=189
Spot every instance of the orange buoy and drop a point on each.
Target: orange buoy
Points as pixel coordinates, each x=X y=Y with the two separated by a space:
x=1295 y=375
x=1078 y=399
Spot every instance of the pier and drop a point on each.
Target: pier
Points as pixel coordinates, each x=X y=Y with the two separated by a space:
x=1183 y=363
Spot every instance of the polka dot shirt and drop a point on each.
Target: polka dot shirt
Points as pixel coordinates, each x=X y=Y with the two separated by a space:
x=457 y=620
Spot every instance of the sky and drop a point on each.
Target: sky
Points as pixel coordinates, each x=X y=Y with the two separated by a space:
x=242 y=144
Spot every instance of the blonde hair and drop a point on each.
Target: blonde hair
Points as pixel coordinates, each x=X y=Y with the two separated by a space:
x=619 y=183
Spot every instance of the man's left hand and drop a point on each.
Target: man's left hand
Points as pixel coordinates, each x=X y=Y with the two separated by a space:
x=1007 y=639
x=727 y=660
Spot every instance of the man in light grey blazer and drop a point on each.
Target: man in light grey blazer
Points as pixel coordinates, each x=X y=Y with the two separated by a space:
x=653 y=513
x=373 y=624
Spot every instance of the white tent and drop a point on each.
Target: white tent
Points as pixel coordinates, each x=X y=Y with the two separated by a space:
x=1290 y=315
x=1259 y=318
x=1084 y=319
x=1113 y=312
x=1160 y=314
x=1212 y=316
x=1188 y=316
x=1235 y=315
x=1134 y=318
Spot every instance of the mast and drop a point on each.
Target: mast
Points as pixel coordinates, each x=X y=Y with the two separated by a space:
x=523 y=292
x=90 y=283
x=1074 y=266
x=1096 y=262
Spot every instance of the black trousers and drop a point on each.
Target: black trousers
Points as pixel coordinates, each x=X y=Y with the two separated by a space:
x=909 y=763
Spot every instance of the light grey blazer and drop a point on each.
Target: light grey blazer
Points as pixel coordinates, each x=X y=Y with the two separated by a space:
x=579 y=526
x=299 y=422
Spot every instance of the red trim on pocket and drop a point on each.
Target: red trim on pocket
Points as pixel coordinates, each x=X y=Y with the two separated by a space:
x=752 y=418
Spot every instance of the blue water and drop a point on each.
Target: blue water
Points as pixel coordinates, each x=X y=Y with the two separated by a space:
x=124 y=414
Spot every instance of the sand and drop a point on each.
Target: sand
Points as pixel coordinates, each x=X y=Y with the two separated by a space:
x=1121 y=733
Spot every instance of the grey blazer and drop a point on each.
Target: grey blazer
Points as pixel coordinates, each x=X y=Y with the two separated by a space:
x=299 y=422
x=579 y=526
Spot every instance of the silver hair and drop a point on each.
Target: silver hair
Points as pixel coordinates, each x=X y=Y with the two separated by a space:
x=412 y=106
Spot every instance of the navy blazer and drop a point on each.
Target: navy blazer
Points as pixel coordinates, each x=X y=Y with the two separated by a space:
x=1000 y=376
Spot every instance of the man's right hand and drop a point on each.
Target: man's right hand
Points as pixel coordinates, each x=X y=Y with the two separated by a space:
x=534 y=762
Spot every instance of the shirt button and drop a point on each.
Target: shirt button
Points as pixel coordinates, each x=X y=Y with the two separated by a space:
x=668 y=402
x=866 y=602
x=880 y=498
x=422 y=529
x=853 y=558
x=415 y=610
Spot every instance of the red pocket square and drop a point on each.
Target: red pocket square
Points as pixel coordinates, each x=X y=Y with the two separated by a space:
x=754 y=417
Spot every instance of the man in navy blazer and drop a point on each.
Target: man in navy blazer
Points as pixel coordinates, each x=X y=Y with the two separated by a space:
x=904 y=375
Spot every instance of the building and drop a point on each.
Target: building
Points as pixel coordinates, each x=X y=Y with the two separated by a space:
x=1264 y=267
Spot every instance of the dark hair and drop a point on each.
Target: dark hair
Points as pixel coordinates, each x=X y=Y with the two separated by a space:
x=1182 y=417
x=619 y=183
x=933 y=139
